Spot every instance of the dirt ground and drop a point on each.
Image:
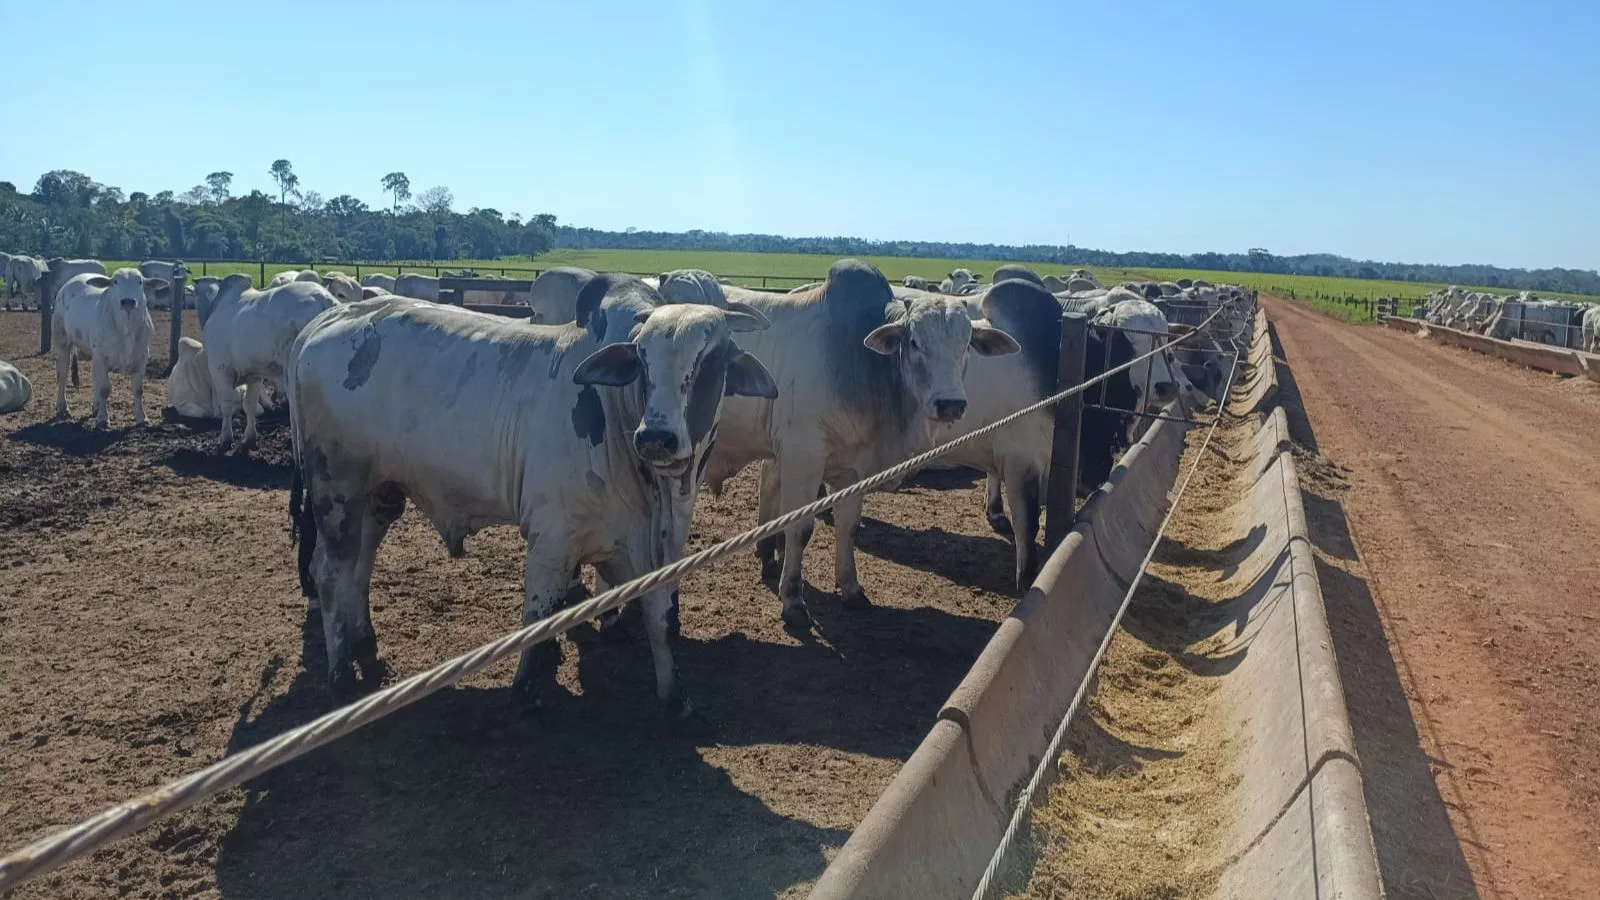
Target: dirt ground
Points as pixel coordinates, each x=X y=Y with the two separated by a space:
x=150 y=623
x=1455 y=503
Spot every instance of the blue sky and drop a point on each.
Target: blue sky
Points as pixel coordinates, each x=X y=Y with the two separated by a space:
x=1424 y=131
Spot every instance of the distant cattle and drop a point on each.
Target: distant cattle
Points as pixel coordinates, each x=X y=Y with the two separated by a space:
x=915 y=281
x=343 y=288
x=106 y=320
x=863 y=374
x=15 y=389
x=1591 y=328
x=247 y=340
x=419 y=287
x=293 y=275
x=591 y=437
x=378 y=279
x=691 y=286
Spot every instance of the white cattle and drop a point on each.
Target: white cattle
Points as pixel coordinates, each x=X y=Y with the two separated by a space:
x=5 y=273
x=861 y=374
x=64 y=270
x=380 y=280
x=205 y=296
x=692 y=286
x=343 y=288
x=589 y=436
x=23 y=274
x=1023 y=273
x=189 y=384
x=419 y=287
x=15 y=390
x=247 y=340
x=105 y=320
x=808 y=286
x=915 y=281
x=554 y=294
x=1591 y=328
x=288 y=276
x=1146 y=328
x=1018 y=456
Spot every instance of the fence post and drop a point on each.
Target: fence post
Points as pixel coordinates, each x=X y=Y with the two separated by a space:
x=47 y=298
x=261 y=282
x=1061 y=499
x=180 y=275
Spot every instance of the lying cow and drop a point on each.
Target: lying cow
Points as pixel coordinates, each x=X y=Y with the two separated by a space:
x=106 y=320
x=247 y=340
x=590 y=436
x=15 y=389
x=862 y=374
x=189 y=390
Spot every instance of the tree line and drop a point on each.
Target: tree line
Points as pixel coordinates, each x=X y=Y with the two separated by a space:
x=68 y=213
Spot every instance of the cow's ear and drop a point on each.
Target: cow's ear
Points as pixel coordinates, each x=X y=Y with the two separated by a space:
x=993 y=342
x=153 y=286
x=743 y=317
x=613 y=365
x=99 y=281
x=367 y=293
x=747 y=377
x=885 y=339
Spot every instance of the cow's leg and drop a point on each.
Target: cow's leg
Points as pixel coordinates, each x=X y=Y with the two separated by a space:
x=549 y=573
x=351 y=522
x=845 y=517
x=1024 y=494
x=769 y=550
x=136 y=378
x=63 y=360
x=102 y=391
x=252 y=402
x=994 y=507
x=799 y=474
x=75 y=381
x=224 y=390
x=660 y=609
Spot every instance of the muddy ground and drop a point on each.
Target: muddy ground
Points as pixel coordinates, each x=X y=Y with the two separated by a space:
x=150 y=623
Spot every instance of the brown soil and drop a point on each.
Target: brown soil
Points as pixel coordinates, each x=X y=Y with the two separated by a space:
x=1453 y=500
x=150 y=623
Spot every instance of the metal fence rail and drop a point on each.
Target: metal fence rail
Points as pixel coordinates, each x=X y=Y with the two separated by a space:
x=53 y=851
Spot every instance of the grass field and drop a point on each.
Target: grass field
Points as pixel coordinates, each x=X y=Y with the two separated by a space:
x=780 y=271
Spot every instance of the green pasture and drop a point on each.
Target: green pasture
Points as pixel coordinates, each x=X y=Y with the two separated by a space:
x=780 y=271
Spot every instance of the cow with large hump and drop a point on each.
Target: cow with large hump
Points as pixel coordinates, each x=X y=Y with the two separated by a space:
x=1016 y=458
x=106 y=320
x=23 y=274
x=861 y=375
x=691 y=286
x=591 y=437
x=247 y=338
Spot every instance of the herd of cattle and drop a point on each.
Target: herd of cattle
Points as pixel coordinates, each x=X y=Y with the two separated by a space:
x=592 y=425
x=1558 y=322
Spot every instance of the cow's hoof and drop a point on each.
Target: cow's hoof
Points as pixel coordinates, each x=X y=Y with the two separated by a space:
x=854 y=598
x=1000 y=525
x=374 y=672
x=613 y=627
x=342 y=684
x=796 y=617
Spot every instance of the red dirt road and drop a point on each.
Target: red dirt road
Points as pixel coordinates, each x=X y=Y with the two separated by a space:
x=1456 y=500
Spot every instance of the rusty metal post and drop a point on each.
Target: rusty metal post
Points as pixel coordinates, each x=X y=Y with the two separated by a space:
x=1061 y=500
x=47 y=302
x=180 y=276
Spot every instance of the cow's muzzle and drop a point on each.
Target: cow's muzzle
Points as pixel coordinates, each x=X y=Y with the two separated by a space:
x=659 y=446
x=949 y=410
x=129 y=303
x=1163 y=392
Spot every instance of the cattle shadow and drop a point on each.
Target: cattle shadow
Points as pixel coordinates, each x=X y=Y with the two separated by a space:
x=72 y=437
x=959 y=478
x=468 y=793
x=266 y=466
x=976 y=561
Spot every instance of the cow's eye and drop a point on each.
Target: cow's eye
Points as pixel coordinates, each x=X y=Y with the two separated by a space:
x=914 y=346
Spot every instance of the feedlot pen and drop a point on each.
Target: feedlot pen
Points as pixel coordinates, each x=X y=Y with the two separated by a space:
x=150 y=623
